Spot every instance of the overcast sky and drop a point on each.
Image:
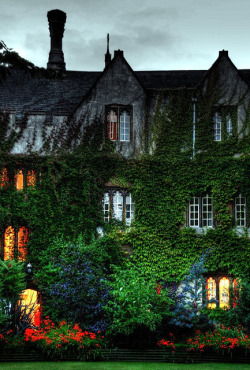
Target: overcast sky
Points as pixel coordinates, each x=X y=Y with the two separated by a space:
x=154 y=34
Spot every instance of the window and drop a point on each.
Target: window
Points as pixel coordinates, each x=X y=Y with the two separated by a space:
x=200 y=211
x=30 y=301
x=22 y=178
x=14 y=243
x=119 y=123
x=240 y=211
x=218 y=291
x=224 y=122
x=118 y=205
x=4 y=179
x=217 y=126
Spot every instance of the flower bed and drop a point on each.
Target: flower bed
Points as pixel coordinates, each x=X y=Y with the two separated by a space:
x=56 y=341
x=221 y=339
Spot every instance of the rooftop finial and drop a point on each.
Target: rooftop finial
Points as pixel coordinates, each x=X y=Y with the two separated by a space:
x=107 y=55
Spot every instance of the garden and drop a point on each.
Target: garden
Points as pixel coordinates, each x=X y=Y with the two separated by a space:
x=110 y=304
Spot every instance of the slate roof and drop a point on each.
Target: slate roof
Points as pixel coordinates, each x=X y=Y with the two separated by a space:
x=21 y=91
x=170 y=79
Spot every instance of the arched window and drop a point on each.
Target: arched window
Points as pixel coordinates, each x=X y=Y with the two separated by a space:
x=224 y=284
x=106 y=207
x=9 y=243
x=15 y=243
x=129 y=211
x=124 y=126
x=31 y=305
x=211 y=292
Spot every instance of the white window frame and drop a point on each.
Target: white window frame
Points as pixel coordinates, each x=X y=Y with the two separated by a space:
x=200 y=212
x=119 y=205
x=207 y=211
x=124 y=126
x=217 y=119
x=240 y=211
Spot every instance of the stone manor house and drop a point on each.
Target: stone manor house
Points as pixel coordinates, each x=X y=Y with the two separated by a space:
x=59 y=103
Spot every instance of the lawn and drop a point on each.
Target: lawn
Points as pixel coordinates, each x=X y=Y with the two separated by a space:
x=120 y=366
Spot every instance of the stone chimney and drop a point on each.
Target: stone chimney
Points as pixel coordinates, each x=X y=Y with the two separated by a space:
x=107 y=55
x=56 y=19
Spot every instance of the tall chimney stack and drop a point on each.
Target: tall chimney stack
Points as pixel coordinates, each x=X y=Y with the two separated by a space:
x=56 y=19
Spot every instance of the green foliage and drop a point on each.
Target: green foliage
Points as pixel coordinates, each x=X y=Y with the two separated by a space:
x=134 y=301
x=12 y=277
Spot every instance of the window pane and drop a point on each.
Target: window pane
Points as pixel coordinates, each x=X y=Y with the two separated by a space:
x=22 y=242
x=124 y=126
x=9 y=243
x=19 y=180
x=118 y=206
x=240 y=211
x=207 y=211
x=229 y=126
x=211 y=292
x=112 y=125
x=4 y=180
x=31 y=178
x=129 y=209
x=224 y=293
x=217 y=127
x=106 y=208
x=194 y=212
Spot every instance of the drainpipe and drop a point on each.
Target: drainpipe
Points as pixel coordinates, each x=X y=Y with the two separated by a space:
x=194 y=100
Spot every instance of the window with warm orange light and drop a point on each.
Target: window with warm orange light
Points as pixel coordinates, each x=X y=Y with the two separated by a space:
x=31 y=178
x=31 y=305
x=22 y=240
x=9 y=243
x=4 y=180
x=211 y=292
x=19 y=180
x=224 y=292
x=15 y=241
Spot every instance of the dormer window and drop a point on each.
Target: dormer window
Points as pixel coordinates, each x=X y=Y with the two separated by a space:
x=119 y=123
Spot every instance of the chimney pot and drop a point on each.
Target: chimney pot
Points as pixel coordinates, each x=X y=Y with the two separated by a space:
x=56 y=19
x=223 y=52
x=118 y=52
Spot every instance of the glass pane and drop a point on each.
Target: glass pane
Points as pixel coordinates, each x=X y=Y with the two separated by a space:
x=9 y=243
x=224 y=293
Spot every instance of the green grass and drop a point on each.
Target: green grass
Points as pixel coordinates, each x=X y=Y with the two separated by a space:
x=120 y=366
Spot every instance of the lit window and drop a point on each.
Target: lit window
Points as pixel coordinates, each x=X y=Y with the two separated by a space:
x=4 y=180
x=22 y=240
x=31 y=178
x=9 y=243
x=240 y=211
x=217 y=126
x=19 y=180
x=118 y=123
x=31 y=305
x=118 y=205
x=211 y=292
x=224 y=292
x=200 y=212
x=15 y=242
